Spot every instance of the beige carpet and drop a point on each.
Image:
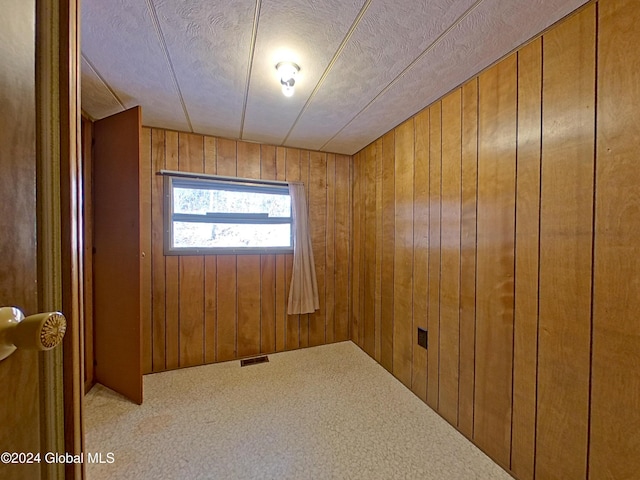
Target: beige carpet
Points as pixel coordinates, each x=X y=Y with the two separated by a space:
x=318 y=413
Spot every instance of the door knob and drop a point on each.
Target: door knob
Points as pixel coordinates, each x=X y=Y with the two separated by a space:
x=42 y=331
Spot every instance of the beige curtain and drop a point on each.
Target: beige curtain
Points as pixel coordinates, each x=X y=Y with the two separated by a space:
x=303 y=294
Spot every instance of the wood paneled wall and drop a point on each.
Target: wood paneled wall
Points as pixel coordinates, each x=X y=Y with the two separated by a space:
x=204 y=309
x=615 y=381
x=505 y=219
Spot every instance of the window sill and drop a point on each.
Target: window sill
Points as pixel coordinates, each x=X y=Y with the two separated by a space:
x=228 y=251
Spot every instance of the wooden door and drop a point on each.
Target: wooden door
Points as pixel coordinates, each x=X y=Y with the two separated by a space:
x=116 y=263
x=19 y=407
x=29 y=418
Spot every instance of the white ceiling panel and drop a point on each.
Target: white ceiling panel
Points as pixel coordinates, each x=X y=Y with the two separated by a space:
x=209 y=43
x=491 y=31
x=304 y=32
x=390 y=36
x=119 y=39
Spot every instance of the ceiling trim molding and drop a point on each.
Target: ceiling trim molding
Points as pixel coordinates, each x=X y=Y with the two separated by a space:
x=163 y=45
x=407 y=68
x=252 y=51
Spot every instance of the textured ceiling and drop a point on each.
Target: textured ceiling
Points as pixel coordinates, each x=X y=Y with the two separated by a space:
x=208 y=66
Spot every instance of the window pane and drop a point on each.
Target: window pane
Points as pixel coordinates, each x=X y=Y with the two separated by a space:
x=200 y=201
x=191 y=200
x=220 y=235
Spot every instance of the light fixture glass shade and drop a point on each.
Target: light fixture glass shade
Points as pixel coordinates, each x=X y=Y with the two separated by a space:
x=287 y=90
x=287 y=72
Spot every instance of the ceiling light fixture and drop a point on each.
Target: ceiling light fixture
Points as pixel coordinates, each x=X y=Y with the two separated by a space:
x=287 y=72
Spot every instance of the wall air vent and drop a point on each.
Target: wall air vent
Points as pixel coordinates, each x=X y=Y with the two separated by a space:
x=254 y=361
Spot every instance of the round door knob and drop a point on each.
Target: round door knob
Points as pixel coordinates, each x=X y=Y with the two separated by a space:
x=42 y=331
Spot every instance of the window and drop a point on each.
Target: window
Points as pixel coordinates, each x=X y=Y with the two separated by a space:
x=226 y=215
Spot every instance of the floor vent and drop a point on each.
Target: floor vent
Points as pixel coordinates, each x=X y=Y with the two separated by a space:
x=253 y=361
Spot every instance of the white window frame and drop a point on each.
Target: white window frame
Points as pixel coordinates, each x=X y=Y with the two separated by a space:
x=216 y=182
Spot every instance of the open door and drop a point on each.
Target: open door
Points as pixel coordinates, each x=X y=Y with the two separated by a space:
x=38 y=94
x=116 y=260
x=20 y=412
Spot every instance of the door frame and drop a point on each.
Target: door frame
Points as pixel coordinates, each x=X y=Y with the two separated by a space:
x=59 y=223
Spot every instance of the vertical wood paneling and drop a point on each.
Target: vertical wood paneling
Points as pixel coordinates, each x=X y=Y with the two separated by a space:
x=248 y=275
x=226 y=270
x=87 y=254
x=267 y=303
x=420 y=251
x=450 y=257
x=226 y=157
x=210 y=155
x=566 y=247
x=158 y=259
x=268 y=267
x=145 y=248
x=356 y=251
x=191 y=282
x=330 y=251
x=317 y=186
x=210 y=268
x=369 y=201
x=378 y=253
x=359 y=220
x=248 y=160
x=615 y=398
x=468 y=256
x=191 y=311
x=227 y=307
x=172 y=275
x=495 y=259
x=281 y=293
x=527 y=244
x=403 y=256
x=248 y=281
x=433 y=322
x=343 y=245
x=388 y=249
x=363 y=249
x=293 y=321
